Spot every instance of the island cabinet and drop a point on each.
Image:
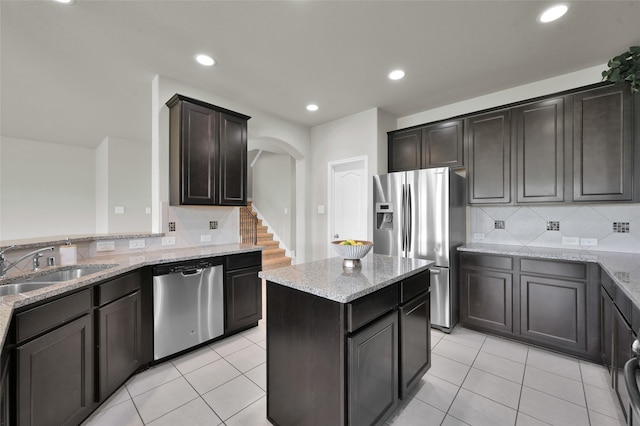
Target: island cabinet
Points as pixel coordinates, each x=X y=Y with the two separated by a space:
x=243 y=291
x=207 y=154
x=434 y=145
x=555 y=304
x=322 y=354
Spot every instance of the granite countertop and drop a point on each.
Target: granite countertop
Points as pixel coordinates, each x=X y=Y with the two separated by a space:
x=327 y=278
x=624 y=268
x=116 y=265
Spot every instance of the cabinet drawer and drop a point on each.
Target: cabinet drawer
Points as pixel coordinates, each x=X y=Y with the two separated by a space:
x=608 y=284
x=549 y=267
x=116 y=288
x=245 y=260
x=488 y=261
x=413 y=286
x=49 y=315
x=370 y=307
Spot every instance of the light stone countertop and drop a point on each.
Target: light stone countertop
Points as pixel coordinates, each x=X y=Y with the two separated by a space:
x=624 y=268
x=327 y=278
x=118 y=264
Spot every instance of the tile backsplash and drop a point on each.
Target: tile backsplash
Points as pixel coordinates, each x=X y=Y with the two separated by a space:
x=602 y=227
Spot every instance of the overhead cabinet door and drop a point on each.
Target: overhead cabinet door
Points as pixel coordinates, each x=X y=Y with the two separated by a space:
x=489 y=144
x=603 y=144
x=539 y=135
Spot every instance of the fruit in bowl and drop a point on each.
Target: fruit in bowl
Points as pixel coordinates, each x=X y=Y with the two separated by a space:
x=352 y=249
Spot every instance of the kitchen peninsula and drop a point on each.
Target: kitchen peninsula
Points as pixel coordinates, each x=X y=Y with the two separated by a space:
x=345 y=345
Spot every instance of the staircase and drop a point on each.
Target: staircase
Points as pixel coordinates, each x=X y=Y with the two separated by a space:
x=272 y=256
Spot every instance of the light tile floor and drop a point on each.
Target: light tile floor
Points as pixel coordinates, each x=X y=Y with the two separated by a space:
x=474 y=379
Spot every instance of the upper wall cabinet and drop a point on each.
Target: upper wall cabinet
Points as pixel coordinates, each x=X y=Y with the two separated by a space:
x=603 y=144
x=436 y=145
x=207 y=154
x=539 y=142
x=488 y=139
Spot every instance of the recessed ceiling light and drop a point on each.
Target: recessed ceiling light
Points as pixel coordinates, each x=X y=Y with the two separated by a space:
x=553 y=13
x=205 y=60
x=396 y=74
x=65 y=1
x=312 y=107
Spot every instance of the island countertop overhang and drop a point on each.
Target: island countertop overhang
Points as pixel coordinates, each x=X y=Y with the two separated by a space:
x=328 y=279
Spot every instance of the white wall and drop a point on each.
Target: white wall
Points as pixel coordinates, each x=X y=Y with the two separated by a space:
x=272 y=191
x=353 y=136
x=46 y=189
x=261 y=125
x=126 y=183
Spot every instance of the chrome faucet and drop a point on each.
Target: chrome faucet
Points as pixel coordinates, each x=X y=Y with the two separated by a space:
x=37 y=254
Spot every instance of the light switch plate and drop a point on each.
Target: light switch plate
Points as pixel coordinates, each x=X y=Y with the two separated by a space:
x=119 y=210
x=320 y=209
x=477 y=236
x=168 y=241
x=205 y=238
x=105 y=245
x=589 y=242
x=136 y=244
x=570 y=241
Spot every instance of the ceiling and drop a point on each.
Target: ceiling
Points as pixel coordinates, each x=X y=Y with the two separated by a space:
x=77 y=74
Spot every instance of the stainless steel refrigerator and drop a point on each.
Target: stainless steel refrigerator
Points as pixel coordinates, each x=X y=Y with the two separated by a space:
x=421 y=214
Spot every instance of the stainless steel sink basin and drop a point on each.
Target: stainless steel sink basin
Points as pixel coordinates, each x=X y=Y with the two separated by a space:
x=70 y=274
x=23 y=287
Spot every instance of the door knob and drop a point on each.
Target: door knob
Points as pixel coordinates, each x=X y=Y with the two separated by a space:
x=336 y=236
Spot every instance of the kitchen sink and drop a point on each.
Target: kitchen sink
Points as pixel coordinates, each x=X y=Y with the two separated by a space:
x=72 y=273
x=23 y=287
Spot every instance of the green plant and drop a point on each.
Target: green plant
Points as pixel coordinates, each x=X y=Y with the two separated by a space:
x=625 y=67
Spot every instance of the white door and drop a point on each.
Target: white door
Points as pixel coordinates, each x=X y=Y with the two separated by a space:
x=347 y=204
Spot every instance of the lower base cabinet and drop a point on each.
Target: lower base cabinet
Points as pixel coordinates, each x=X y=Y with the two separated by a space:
x=55 y=376
x=415 y=338
x=554 y=304
x=373 y=396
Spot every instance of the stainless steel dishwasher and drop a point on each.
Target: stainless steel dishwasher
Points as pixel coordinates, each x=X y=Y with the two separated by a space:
x=188 y=305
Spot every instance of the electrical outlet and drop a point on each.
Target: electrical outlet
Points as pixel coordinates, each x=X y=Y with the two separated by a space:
x=477 y=236
x=205 y=238
x=105 y=245
x=147 y=210
x=589 y=242
x=168 y=241
x=119 y=210
x=136 y=244
x=570 y=241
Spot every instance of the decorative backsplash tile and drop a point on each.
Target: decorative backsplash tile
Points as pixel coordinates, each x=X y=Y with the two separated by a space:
x=530 y=226
x=621 y=227
x=172 y=226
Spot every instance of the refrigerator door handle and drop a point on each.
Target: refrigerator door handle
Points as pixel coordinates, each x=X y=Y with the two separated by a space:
x=409 y=217
x=435 y=271
x=402 y=233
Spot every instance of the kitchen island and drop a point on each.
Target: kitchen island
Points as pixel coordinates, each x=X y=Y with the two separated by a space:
x=345 y=345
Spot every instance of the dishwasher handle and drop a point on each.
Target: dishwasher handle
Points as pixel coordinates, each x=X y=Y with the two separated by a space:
x=191 y=272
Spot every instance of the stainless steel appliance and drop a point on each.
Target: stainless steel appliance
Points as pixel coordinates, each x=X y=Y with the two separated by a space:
x=631 y=376
x=188 y=305
x=421 y=214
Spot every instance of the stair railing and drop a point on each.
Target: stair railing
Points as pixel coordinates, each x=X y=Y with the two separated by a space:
x=248 y=226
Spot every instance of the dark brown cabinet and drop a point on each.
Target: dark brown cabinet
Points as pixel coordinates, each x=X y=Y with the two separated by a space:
x=243 y=291
x=436 y=145
x=554 y=304
x=372 y=397
x=207 y=154
x=540 y=146
x=119 y=326
x=345 y=363
x=488 y=140
x=6 y=387
x=415 y=339
x=54 y=361
x=603 y=144
x=405 y=150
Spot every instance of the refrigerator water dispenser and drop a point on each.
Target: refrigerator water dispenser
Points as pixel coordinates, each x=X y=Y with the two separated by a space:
x=384 y=216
